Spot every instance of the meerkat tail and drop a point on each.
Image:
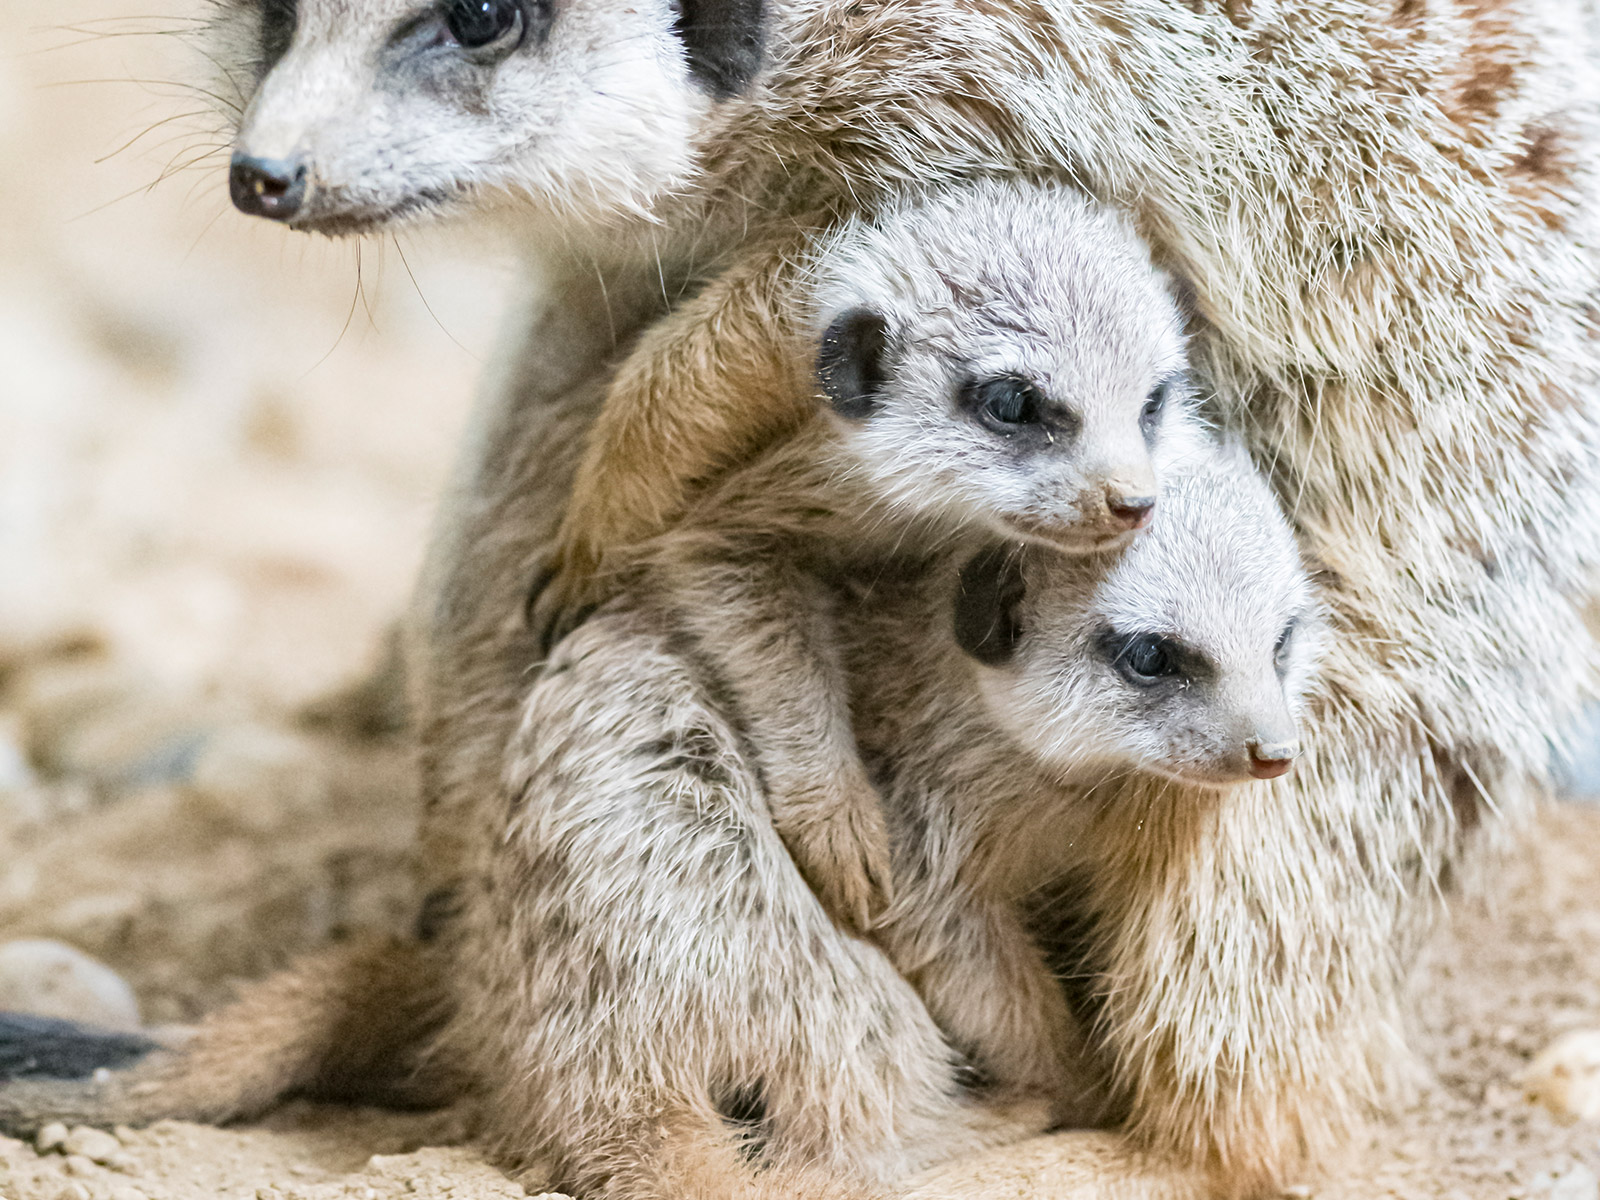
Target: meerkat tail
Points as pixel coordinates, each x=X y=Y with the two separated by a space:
x=348 y=1023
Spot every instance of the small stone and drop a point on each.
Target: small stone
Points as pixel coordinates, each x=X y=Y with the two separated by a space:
x=1565 y=1077
x=125 y=1191
x=52 y=979
x=94 y=1144
x=80 y=1166
x=50 y=1137
x=72 y=1191
x=124 y=1162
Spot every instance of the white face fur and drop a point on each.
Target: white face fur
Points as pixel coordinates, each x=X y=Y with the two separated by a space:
x=361 y=112
x=1006 y=355
x=1188 y=654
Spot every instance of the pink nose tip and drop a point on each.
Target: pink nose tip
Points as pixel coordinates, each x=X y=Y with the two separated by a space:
x=1269 y=762
x=1132 y=511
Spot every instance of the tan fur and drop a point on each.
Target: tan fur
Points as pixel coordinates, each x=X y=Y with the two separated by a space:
x=1386 y=215
x=1395 y=300
x=636 y=819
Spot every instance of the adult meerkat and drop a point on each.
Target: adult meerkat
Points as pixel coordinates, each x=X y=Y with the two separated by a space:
x=1385 y=211
x=1002 y=359
x=721 y=1063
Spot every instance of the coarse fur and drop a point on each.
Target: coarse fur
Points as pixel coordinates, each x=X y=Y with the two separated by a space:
x=1000 y=359
x=636 y=817
x=1386 y=212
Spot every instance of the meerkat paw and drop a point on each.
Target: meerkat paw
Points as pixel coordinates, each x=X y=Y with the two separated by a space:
x=845 y=859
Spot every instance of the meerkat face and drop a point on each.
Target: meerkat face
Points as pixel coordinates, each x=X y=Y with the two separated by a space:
x=1006 y=352
x=1188 y=654
x=362 y=112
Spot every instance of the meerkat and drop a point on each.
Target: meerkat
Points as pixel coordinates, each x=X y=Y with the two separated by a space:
x=636 y=819
x=1001 y=359
x=1385 y=212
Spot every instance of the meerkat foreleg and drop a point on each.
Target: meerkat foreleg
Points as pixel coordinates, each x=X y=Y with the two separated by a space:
x=704 y=390
x=762 y=626
x=983 y=978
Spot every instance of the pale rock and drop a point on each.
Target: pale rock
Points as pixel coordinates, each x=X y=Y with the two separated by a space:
x=94 y=1144
x=50 y=1137
x=52 y=979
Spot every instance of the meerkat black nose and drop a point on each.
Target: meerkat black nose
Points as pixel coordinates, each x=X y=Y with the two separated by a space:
x=1132 y=511
x=1268 y=761
x=274 y=188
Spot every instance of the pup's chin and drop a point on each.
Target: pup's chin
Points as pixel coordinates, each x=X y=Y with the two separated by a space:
x=1214 y=778
x=1067 y=539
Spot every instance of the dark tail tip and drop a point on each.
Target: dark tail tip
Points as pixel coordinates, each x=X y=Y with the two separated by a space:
x=45 y=1048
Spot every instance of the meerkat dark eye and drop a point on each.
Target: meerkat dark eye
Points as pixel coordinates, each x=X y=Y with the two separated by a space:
x=1280 y=652
x=1154 y=405
x=1004 y=403
x=1145 y=659
x=477 y=24
x=1149 y=657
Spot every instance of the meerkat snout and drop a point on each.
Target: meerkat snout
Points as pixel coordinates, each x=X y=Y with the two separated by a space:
x=273 y=188
x=1128 y=507
x=1269 y=760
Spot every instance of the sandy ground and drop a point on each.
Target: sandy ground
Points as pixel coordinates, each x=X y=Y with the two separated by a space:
x=217 y=459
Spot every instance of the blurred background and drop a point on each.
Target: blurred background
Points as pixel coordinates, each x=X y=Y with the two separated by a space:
x=219 y=447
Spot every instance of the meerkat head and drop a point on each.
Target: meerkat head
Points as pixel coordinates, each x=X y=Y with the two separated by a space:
x=1006 y=352
x=360 y=112
x=1187 y=654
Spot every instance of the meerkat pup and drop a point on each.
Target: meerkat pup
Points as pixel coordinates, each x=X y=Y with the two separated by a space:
x=1000 y=359
x=638 y=839
x=1187 y=656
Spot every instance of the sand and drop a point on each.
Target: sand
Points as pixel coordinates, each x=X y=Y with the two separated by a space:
x=217 y=463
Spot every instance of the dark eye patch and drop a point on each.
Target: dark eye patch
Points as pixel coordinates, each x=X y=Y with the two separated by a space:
x=1154 y=405
x=1009 y=405
x=278 y=19
x=1280 y=652
x=1149 y=660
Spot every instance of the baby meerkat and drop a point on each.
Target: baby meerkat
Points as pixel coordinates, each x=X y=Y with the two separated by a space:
x=1186 y=656
x=1000 y=359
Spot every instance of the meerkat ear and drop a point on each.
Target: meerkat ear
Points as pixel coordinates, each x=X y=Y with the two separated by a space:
x=725 y=41
x=852 y=362
x=988 y=624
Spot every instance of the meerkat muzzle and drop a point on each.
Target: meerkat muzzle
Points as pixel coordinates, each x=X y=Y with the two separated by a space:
x=274 y=188
x=1271 y=760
